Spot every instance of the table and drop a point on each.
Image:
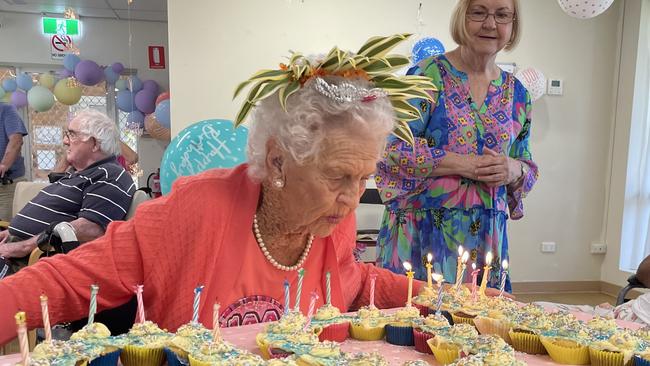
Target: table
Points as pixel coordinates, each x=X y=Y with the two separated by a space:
x=244 y=338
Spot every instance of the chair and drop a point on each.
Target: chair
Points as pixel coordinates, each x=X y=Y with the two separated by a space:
x=632 y=283
x=368 y=220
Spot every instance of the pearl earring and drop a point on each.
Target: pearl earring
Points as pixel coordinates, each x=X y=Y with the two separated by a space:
x=278 y=183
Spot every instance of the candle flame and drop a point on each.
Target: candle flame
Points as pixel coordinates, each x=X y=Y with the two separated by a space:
x=465 y=257
x=20 y=318
x=488 y=258
x=429 y=257
x=460 y=250
x=473 y=265
x=504 y=264
x=437 y=277
x=407 y=266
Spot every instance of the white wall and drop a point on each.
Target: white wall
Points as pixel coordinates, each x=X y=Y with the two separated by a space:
x=103 y=41
x=216 y=44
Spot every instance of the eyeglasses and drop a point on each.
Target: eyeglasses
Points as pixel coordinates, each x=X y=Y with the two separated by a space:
x=72 y=135
x=500 y=17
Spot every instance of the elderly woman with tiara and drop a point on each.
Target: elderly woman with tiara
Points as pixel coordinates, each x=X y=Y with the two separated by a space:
x=316 y=135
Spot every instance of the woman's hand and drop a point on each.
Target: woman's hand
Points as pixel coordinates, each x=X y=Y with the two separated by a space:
x=496 y=169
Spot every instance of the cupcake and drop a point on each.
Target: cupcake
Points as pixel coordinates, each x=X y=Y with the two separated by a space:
x=325 y=353
x=368 y=325
x=527 y=323
x=399 y=330
x=617 y=350
x=425 y=300
x=98 y=334
x=282 y=338
x=426 y=329
x=567 y=341
x=65 y=353
x=335 y=326
x=184 y=340
x=221 y=353
x=145 y=343
x=449 y=344
x=364 y=359
x=494 y=322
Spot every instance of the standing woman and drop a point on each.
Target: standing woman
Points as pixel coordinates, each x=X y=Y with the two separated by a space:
x=471 y=166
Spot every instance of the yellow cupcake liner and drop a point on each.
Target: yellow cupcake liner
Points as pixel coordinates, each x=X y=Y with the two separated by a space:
x=493 y=326
x=462 y=319
x=179 y=351
x=445 y=353
x=527 y=343
x=195 y=362
x=263 y=345
x=142 y=356
x=566 y=352
x=608 y=358
x=362 y=333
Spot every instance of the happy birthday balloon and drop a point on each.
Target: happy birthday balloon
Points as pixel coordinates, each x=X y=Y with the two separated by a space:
x=584 y=9
x=203 y=145
x=534 y=81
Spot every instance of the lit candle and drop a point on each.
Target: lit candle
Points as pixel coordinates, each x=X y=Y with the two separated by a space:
x=216 y=335
x=196 y=304
x=459 y=263
x=475 y=272
x=428 y=265
x=46 y=319
x=138 y=294
x=486 y=272
x=459 y=279
x=93 y=303
x=310 y=311
x=286 y=297
x=22 y=337
x=328 y=295
x=301 y=275
x=409 y=274
x=373 y=279
x=441 y=280
x=504 y=274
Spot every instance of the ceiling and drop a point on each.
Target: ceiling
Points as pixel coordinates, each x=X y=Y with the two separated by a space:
x=143 y=10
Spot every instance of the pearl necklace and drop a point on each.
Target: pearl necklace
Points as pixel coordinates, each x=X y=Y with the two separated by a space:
x=260 y=242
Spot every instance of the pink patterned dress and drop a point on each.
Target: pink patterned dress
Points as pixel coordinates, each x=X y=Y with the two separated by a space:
x=426 y=214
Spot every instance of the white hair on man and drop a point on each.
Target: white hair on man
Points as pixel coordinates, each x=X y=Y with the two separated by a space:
x=301 y=129
x=98 y=125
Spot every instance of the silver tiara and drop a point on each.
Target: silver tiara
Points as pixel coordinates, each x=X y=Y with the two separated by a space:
x=346 y=92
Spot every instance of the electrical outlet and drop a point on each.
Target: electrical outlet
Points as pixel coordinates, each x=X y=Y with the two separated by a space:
x=548 y=247
x=598 y=248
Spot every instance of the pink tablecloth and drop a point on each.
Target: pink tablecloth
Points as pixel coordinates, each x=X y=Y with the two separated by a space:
x=244 y=337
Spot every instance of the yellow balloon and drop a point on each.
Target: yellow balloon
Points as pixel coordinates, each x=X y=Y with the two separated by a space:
x=47 y=80
x=6 y=98
x=65 y=94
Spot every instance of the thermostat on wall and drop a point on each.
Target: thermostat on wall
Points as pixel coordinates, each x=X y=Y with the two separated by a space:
x=555 y=87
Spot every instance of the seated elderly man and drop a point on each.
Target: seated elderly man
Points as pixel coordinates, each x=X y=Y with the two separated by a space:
x=93 y=193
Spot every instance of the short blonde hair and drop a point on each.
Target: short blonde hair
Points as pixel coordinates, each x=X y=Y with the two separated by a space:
x=459 y=30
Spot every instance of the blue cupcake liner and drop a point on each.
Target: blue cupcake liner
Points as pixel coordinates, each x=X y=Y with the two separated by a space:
x=400 y=335
x=109 y=359
x=173 y=359
x=640 y=361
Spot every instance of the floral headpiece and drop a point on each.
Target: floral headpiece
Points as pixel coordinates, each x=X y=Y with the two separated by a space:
x=371 y=62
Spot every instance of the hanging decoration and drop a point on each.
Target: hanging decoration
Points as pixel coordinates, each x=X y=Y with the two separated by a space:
x=584 y=9
x=425 y=48
x=534 y=81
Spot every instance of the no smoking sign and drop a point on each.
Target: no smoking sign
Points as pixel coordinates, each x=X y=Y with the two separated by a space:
x=59 y=45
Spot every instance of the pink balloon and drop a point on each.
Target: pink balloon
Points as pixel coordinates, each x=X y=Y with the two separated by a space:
x=162 y=96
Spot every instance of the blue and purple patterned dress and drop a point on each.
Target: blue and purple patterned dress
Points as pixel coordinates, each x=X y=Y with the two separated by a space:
x=427 y=214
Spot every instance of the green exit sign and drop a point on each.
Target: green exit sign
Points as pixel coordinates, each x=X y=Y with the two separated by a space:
x=61 y=26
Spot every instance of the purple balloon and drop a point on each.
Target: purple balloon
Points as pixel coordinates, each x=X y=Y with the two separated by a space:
x=19 y=99
x=88 y=72
x=117 y=67
x=145 y=101
x=151 y=85
x=64 y=73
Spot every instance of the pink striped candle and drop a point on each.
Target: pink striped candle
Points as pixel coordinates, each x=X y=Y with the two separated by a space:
x=138 y=293
x=22 y=337
x=312 y=307
x=46 y=319
x=373 y=279
x=475 y=272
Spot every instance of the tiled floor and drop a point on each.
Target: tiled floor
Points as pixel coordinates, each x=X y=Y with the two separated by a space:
x=569 y=298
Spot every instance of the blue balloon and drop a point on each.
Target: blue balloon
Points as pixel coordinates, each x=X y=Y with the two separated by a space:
x=427 y=47
x=134 y=84
x=135 y=118
x=9 y=85
x=125 y=101
x=70 y=61
x=162 y=113
x=203 y=145
x=110 y=75
x=24 y=81
x=120 y=84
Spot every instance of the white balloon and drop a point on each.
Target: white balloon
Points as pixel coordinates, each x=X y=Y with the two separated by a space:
x=584 y=9
x=534 y=81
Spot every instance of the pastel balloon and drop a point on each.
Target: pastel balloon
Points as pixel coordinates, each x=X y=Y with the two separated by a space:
x=162 y=96
x=47 y=80
x=162 y=113
x=151 y=85
x=110 y=75
x=427 y=47
x=145 y=101
x=203 y=145
x=64 y=73
x=6 y=98
x=70 y=61
x=125 y=101
x=9 y=85
x=155 y=129
x=117 y=67
x=88 y=73
x=24 y=81
x=40 y=98
x=2 y=93
x=120 y=84
x=19 y=99
x=584 y=9
x=135 y=117
x=134 y=84
x=67 y=94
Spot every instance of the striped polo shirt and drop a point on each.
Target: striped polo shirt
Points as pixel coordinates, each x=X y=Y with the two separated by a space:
x=100 y=193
